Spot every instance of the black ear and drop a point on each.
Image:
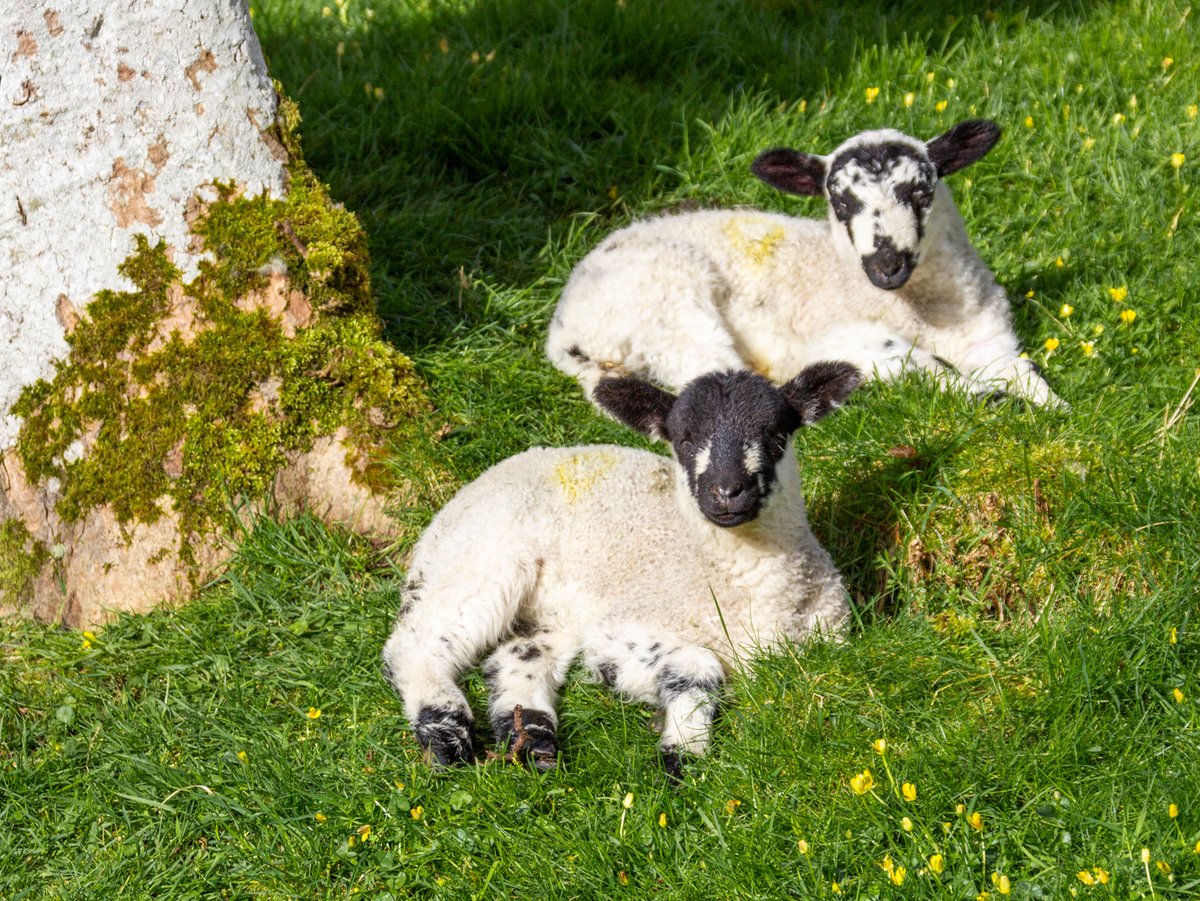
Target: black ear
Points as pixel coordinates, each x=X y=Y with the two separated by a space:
x=820 y=389
x=638 y=404
x=791 y=171
x=962 y=145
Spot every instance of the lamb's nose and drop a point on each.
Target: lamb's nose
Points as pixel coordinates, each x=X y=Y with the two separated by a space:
x=728 y=492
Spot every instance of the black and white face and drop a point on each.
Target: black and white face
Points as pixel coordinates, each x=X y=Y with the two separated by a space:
x=730 y=431
x=881 y=187
x=880 y=193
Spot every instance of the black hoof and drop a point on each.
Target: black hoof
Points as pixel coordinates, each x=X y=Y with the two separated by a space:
x=445 y=735
x=529 y=736
x=673 y=764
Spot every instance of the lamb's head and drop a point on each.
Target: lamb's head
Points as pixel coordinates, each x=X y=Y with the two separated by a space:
x=881 y=187
x=729 y=430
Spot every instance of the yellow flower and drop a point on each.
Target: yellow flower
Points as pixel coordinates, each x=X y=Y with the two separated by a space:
x=85 y=644
x=909 y=791
x=910 y=98
x=887 y=863
x=906 y=824
x=1197 y=848
x=1065 y=310
x=314 y=713
x=627 y=802
x=1133 y=102
x=835 y=888
x=1088 y=348
x=1101 y=875
x=379 y=93
x=1029 y=293
x=1051 y=345
x=1163 y=867
x=960 y=809
x=976 y=820
x=1167 y=62
x=1118 y=118
x=1172 y=810
x=802 y=845
x=1127 y=316
x=1178 y=696
x=364 y=832
x=241 y=755
x=1003 y=885
x=662 y=821
x=1118 y=294
x=930 y=77
x=416 y=812
x=613 y=193
x=1177 y=160
x=1145 y=855
x=1085 y=877
x=897 y=875
x=1193 y=111
x=731 y=805
x=1029 y=121
x=937 y=863
x=320 y=817
x=326 y=11
x=880 y=745
x=622 y=877
x=872 y=93
x=1174 y=636
x=951 y=83
x=1089 y=143
x=90 y=636
x=862 y=783
x=940 y=106
x=1097 y=330
x=1058 y=262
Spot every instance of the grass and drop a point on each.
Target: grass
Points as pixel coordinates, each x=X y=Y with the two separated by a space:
x=1025 y=581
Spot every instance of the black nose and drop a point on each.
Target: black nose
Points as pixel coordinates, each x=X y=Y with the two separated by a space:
x=888 y=269
x=728 y=492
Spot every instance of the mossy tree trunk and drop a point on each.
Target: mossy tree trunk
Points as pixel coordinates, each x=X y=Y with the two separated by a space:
x=186 y=323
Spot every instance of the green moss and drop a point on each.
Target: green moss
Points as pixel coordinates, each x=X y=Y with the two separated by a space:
x=191 y=412
x=21 y=559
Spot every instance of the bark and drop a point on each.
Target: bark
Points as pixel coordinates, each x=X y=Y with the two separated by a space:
x=154 y=209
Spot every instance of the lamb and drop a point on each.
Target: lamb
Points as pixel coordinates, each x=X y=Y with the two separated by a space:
x=661 y=574
x=889 y=282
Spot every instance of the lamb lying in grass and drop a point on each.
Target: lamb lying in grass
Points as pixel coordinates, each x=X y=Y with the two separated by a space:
x=889 y=281
x=659 y=573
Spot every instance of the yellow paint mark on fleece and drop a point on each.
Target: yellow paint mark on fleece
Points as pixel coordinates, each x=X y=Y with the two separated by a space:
x=579 y=474
x=751 y=241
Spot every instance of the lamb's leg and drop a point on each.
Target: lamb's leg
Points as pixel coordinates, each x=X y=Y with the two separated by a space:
x=882 y=354
x=524 y=676
x=435 y=639
x=684 y=680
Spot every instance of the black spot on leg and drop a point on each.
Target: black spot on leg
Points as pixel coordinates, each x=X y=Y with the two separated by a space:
x=608 y=673
x=1036 y=367
x=654 y=647
x=889 y=344
x=672 y=683
x=577 y=352
x=527 y=652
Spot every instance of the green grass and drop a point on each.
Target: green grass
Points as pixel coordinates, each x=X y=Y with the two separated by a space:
x=1026 y=581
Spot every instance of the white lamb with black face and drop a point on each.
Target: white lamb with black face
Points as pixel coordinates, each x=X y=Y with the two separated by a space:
x=659 y=573
x=889 y=281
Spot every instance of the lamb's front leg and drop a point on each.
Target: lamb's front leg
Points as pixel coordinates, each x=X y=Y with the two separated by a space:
x=523 y=677
x=991 y=361
x=683 y=680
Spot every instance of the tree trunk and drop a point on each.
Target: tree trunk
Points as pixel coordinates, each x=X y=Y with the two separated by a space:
x=186 y=324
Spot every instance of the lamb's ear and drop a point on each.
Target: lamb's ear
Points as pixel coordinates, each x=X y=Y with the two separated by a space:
x=965 y=143
x=791 y=171
x=820 y=389
x=638 y=404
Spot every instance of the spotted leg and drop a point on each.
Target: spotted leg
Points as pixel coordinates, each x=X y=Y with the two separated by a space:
x=524 y=676
x=683 y=680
